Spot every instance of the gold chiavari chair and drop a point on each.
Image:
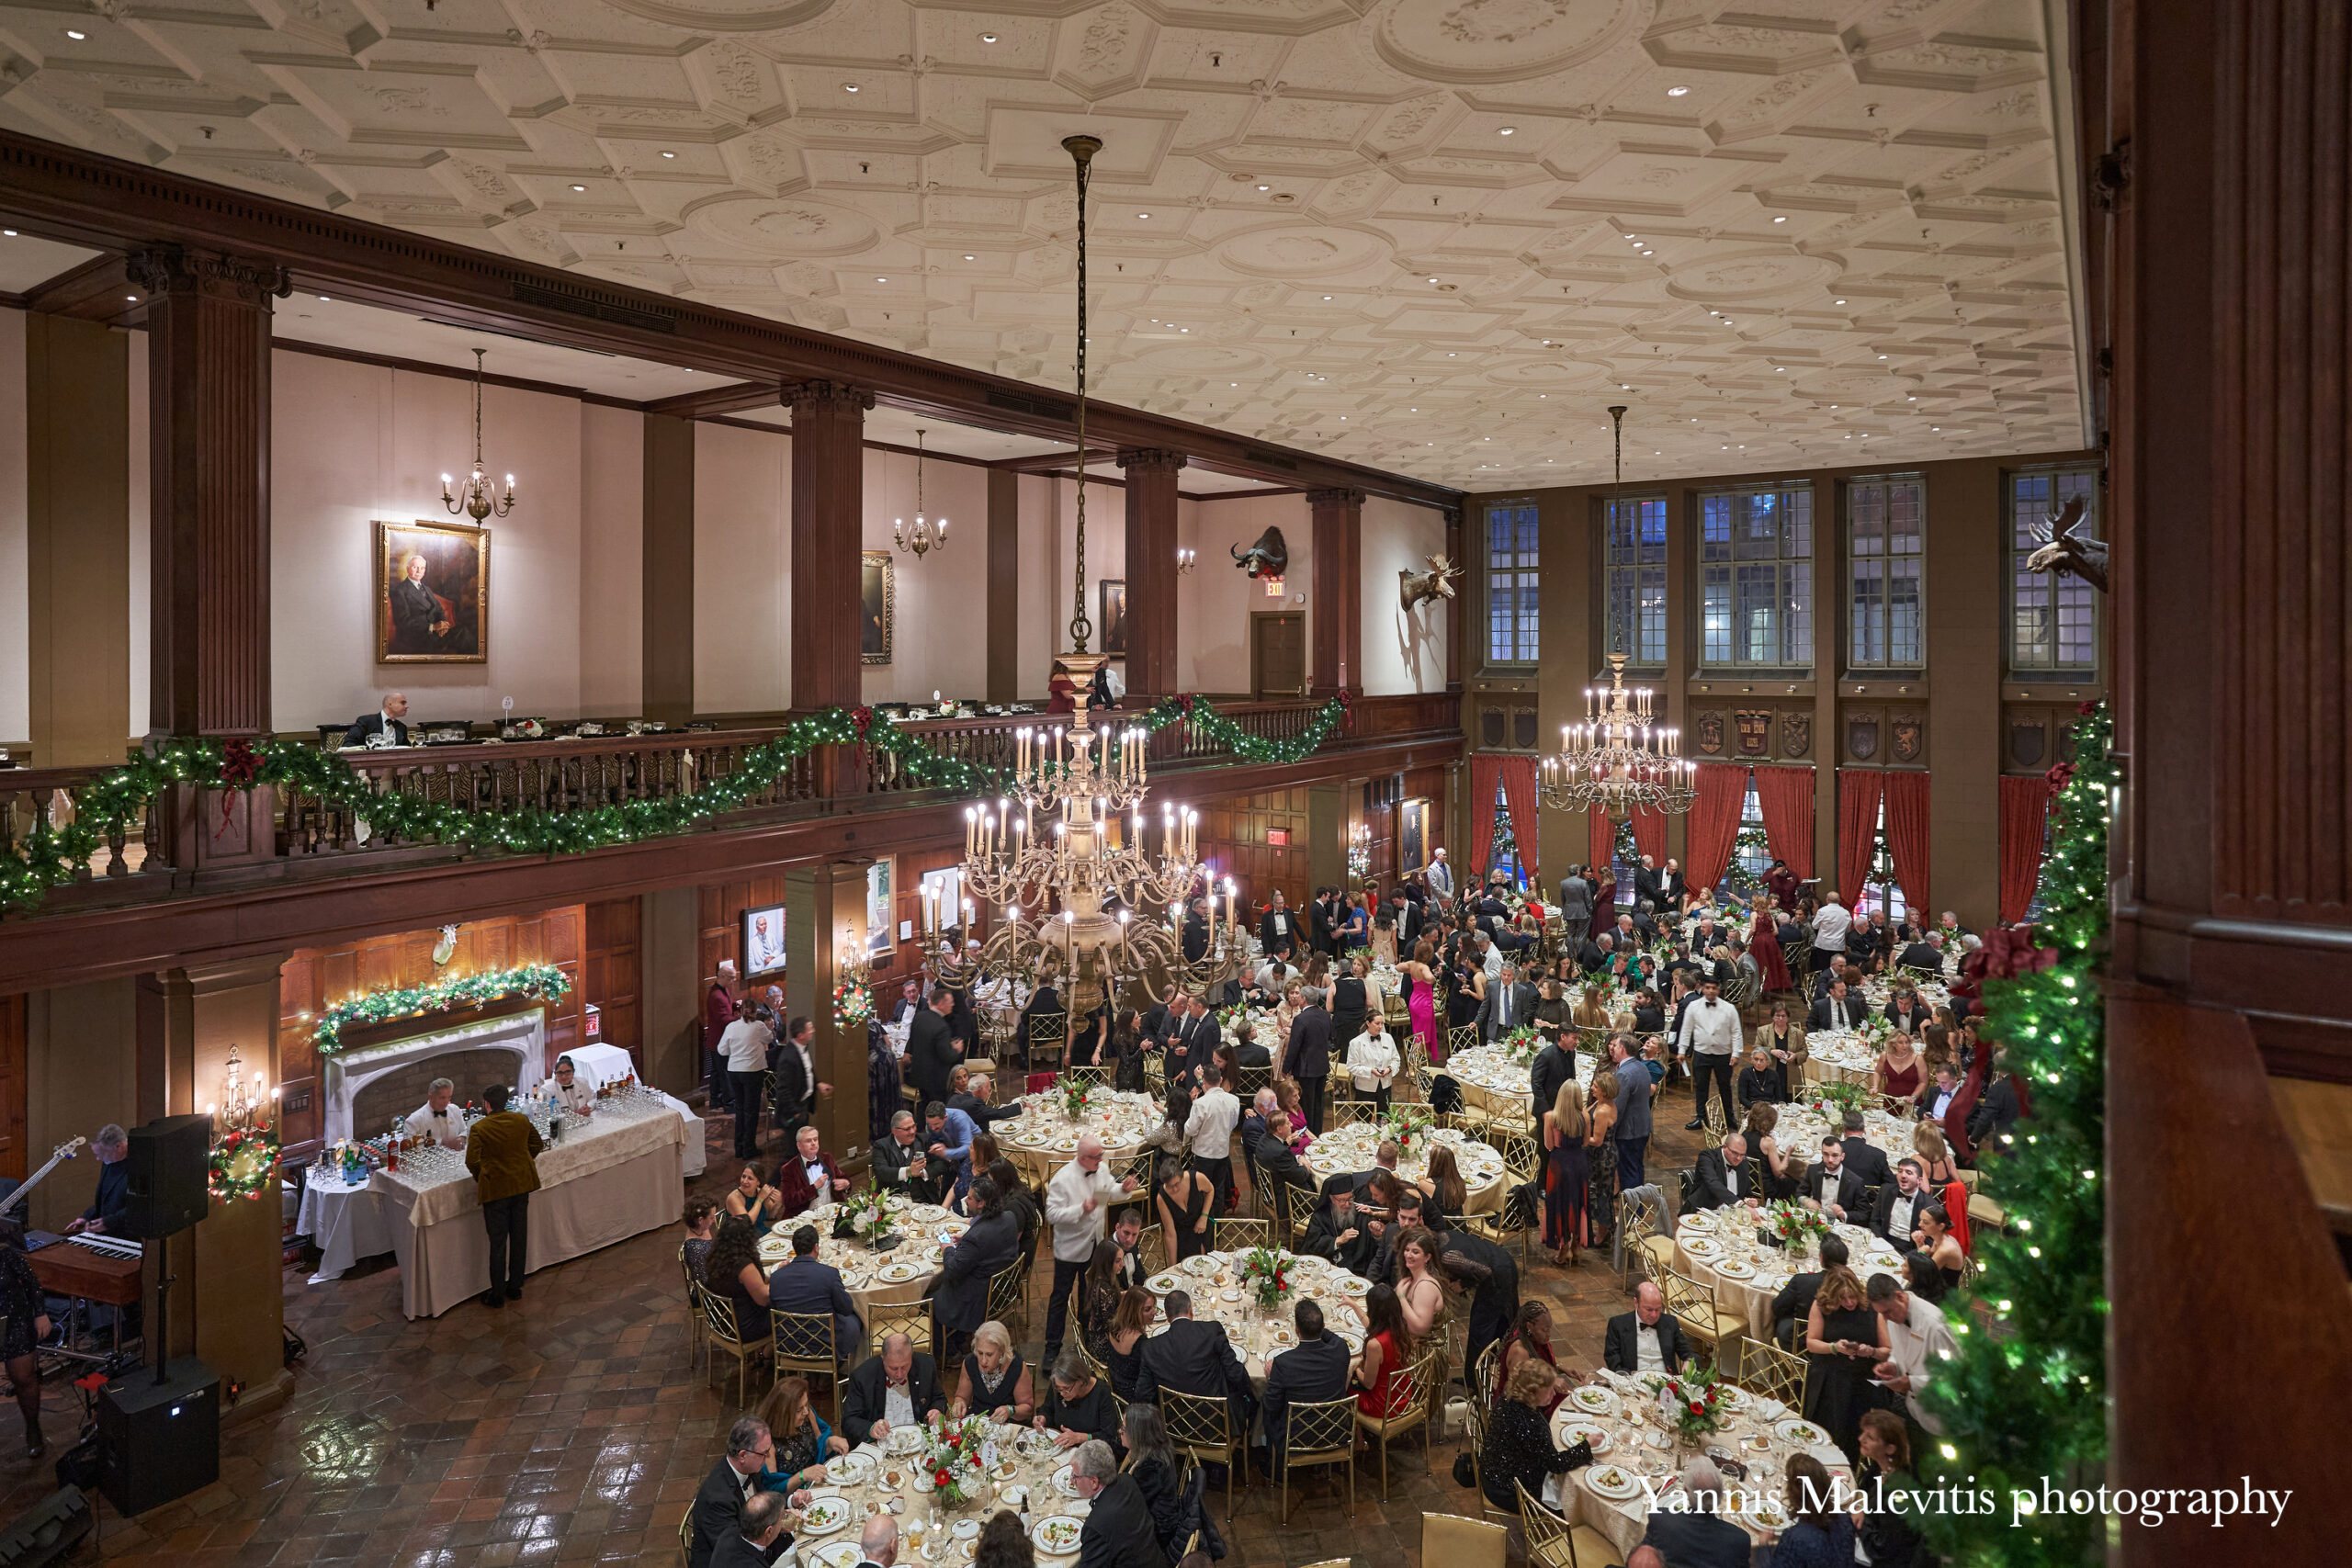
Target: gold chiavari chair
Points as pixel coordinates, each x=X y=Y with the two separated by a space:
x=686 y=1537
x=1645 y=1248
x=1462 y=1037
x=1048 y=1035
x=804 y=1342
x=1694 y=1306
x=1323 y=1433
x=1553 y=1543
x=1152 y=1248
x=1201 y=1428
x=1412 y=1409
x=718 y=1313
x=1463 y=1543
x=1248 y=1081
x=909 y=1318
x=696 y=1326
x=1768 y=1370
x=1009 y=1294
x=1233 y=1233
x=1351 y=1113
x=1093 y=1077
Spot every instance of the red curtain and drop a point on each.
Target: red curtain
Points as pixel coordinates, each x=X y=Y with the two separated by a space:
x=1907 y=839
x=1858 y=796
x=1486 y=772
x=1601 y=839
x=1785 y=796
x=1715 y=822
x=2025 y=812
x=1519 y=793
x=1649 y=837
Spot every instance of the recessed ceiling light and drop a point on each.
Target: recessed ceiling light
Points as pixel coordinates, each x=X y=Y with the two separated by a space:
x=1783 y=218
x=76 y=36
x=1676 y=92
x=968 y=258
x=11 y=233
x=987 y=37
x=1839 y=301
x=881 y=280
x=1143 y=214
x=132 y=297
x=580 y=187
x=1327 y=297
x=669 y=154
x=322 y=299
x=1781 y=369
x=1881 y=356
x=1505 y=130
x=1432 y=281
x=1912 y=399
x=849 y=86
x=1265 y=187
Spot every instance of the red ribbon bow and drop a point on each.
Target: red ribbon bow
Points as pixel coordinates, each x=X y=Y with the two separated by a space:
x=2007 y=953
x=2059 y=776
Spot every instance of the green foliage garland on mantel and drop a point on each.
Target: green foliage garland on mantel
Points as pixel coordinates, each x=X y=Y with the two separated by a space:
x=543 y=980
x=114 y=800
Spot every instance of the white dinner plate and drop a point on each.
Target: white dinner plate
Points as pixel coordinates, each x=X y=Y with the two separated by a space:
x=1613 y=1482
x=836 y=1554
x=1056 y=1535
x=1734 y=1270
x=898 y=1273
x=850 y=1470
x=1804 y=1433
x=1164 y=1282
x=1201 y=1265
x=827 y=1514
x=1065 y=1482
x=1593 y=1400
x=1576 y=1430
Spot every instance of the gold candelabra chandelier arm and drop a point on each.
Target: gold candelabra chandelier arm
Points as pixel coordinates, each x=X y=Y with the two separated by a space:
x=475 y=498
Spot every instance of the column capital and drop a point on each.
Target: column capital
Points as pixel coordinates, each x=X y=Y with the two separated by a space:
x=1335 y=495
x=170 y=271
x=825 y=397
x=1150 y=457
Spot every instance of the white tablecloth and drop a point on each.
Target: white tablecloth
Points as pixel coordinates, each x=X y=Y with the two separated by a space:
x=343 y=1221
x=600 y=1065
x=602 y=1183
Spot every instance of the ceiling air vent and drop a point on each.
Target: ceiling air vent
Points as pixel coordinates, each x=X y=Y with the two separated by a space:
x=595 y=304
x=1035 y=407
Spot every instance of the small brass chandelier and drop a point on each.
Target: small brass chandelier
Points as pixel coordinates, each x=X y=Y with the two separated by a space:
x=475 y=501
x=929 y=534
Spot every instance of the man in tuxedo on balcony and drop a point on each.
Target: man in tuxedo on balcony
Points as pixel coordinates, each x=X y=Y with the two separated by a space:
x=389 y=721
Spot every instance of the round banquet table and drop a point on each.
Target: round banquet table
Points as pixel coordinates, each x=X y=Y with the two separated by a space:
x=1802 y=1126
x=1348 y=1150
x=1838 y=1055
x=893 y=1279
x=1747 y=1274
x=1214 y=1281
x=1490 y=1081
x=1041 y=1140
x=1630 y=1444
x=861 y=1479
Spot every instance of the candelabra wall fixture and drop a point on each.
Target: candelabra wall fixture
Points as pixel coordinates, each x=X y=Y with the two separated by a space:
x=475 y=500
x=1186 y=560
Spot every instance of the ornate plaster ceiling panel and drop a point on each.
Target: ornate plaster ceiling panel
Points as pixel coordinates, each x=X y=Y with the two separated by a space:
x=1467 y=225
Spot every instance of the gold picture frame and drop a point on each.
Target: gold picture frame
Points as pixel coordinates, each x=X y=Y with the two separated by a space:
x=876 y=591
x=432 y=603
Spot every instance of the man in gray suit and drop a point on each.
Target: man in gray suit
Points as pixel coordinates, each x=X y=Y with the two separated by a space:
x=1576 y=902
x=1634 y=1092
x=1509 y=1003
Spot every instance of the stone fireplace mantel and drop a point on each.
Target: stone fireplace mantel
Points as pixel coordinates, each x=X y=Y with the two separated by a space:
x=523 y=1035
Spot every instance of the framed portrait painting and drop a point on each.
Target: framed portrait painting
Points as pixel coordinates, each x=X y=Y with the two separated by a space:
x=880 y=919
x=1114 y=617
x=875 y=584
x=432 y=593
x=763 y=939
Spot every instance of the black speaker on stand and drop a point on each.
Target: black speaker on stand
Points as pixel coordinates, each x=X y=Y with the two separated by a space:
x=159 y=1431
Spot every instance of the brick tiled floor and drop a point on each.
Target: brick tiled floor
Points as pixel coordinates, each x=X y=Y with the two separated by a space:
x=568 y=1428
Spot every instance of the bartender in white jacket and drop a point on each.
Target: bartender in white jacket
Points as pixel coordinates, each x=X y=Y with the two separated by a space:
x=1372 y=1062
x=1076 y=1207
x=568 y=1092
x=438 y=1119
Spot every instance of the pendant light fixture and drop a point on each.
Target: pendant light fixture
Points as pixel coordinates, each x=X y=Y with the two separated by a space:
x=475 y=501
x=928 y=535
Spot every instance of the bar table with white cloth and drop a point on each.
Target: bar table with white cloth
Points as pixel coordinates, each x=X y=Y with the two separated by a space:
x=346 y=1221
x=604 y=1180
x=599 y=1065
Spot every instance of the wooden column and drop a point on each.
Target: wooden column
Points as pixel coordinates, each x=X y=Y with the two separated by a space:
x=1004 y=585
x=1965 y=645
x=1337 y=531
x=1151 y=572
x=668 y=578
x=208 y=367
x=672 y=985
x=1681 y=640
x=1327 y=833
x=824 y=905
x=1828 y=664
x=1457 y=540
x=77 y=540
x=1565 y=599
x=828 y=519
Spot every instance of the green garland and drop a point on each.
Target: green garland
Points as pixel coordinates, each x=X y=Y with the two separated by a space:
x=442 y=996
x=2028 y=1399
x=111 y=802
x=243 y=1164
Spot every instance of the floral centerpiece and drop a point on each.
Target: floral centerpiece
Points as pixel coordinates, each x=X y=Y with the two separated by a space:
x=959 y=1455
x=1409 y=1125
x=1832 y=1101
x=1230 y=1020
x=870 y=1212
x=1794 y=1225
x=1267 y=1273
x=1692 y=1402
x=1078 y=1098
x=853 y=1005
x=1876 y=1031
x=1521 y=1045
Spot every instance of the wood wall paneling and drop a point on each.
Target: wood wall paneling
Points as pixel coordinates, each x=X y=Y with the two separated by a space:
x=13 y=1087
x=1150 y=525
x=611 y=975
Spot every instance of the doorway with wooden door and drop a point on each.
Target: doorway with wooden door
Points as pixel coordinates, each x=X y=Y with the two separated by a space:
x=1277 y=654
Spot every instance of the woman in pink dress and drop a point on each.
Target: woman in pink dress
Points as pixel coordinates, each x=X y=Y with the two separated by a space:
x=1420 y=1001
x=1764 y=944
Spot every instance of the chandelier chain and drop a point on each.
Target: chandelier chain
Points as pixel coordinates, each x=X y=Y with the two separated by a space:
x=1081 y=149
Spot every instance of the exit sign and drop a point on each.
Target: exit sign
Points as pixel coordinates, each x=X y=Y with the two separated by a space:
x=1278 y=838
x=1274 y=586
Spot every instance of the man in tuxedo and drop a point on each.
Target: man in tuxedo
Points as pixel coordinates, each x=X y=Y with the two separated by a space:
x=718 y=1506
x=1197 y=931
x=1865 y=942
x=758 y=1538
x=1553 y=1065
x=1940 y=1097
x=1247 y=1051
x=1313 y=1370
x=1118 y=1531
x=933 y=1049
x=1829 y=1186
x=1671 y=889
x=1899 y=1203
x=1593 y=952
x=1793 y=1301
x=1306 y=1055
x=1408 y=918
x=1196 y=1359
x=1194 y=1046
x=1278 y=932
x=1951 y=928
x=1646 y=1339
x=896 y=1160
x=390 y=720
x=1839 y=1009
x=1996 y=1109
x=807 y=1286
x=1922 y=956
x=1724 y=1176
x=1864 y=1158
x=808 y=1176
x=1127 y=1234
x=878 y=1543
x=1322 y=935
x=1509 y=1004
x=1491 y=1276
x=1695 y=1537
x=797 y=1088
x=1908 y=1013
x=1837 y=971
x=1646 y=885
x=898 y=1388
x=1336 y=1233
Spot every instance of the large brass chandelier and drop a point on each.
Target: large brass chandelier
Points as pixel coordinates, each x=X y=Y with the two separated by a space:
x=1065 y=857
x=1620 y=760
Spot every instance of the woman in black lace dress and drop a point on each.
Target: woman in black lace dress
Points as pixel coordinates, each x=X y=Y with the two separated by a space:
x=26 y=1325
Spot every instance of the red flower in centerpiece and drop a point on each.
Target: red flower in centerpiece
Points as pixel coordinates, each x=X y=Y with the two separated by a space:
x=1697 y=1409
x=939 y=1478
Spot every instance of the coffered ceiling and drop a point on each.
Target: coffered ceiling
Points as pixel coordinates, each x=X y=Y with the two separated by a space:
x=1438 y=236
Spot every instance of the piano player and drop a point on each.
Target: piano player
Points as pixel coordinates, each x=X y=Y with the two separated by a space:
x=114 y=1181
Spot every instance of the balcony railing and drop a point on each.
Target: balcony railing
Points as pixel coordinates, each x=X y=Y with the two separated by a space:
x=138 y=862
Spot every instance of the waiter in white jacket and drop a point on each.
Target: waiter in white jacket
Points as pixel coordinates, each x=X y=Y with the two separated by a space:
x=438 y=1119
x=1077 y=1200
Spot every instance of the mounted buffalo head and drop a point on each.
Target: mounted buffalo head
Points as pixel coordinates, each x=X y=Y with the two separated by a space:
x=2065 y=549
x=1268 y=558
x=1413 y=587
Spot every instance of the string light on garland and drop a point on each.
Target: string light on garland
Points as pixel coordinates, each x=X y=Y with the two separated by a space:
x=2028 y=1400
x=542 y=980
x=853 y=1005
x=243 y=1162
x=115 y=800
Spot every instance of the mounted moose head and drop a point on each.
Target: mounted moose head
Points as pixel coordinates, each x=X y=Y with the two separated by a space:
x=1413 y=587
x=2064 y=548
x=1268 y=558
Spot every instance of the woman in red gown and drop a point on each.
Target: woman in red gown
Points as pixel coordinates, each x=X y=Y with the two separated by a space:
x=1764 y=944
x=1604 y=902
